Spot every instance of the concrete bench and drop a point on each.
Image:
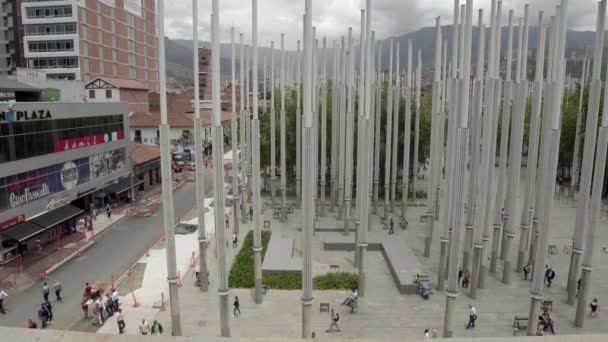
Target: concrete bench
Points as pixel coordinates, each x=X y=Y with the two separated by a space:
x=400 y=259
x=347 y=243
x=520 y=321
x=279 y=256
x=323 y=307
x=330 y=229
x=403 y=265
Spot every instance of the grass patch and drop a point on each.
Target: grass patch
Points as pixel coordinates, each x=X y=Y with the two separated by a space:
x=242 y=274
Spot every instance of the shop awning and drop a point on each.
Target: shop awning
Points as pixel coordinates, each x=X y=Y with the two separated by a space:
x=123 y=185
x=57 y=216
x=22 y=231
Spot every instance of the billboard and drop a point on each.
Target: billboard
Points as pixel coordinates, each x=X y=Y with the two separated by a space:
x=23 y=188
x=133 y=7
x=80 y=142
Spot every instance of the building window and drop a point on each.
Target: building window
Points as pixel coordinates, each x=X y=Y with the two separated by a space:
x=108 y=93
x=48 y=12
x=51 y=45
x=91 y=93
x=61 y=76
x=53 y=63
x=50 y=29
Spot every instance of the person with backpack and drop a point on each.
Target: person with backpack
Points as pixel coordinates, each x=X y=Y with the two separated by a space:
x=156 y=329
x=550 y=277
x=527 y=269
x=57 y=288
x=43 y=314
x=335 y=318
x=109 y=305
x=49 y=308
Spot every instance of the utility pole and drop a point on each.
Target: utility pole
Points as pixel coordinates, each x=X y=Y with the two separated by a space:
x=378 y=120
x=587 y=166
x=550 y=151
x=255 y=138
x=198 y=147
x=395 y=140
x=167 y=191
x=459 y=169
x=307 y=186
x=282 y=137
x=342 y=126
x=407 y=130
x=334 y=131
x=217 y=134
x=349 y=124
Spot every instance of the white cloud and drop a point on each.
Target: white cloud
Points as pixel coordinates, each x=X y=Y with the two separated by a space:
x=333 y=17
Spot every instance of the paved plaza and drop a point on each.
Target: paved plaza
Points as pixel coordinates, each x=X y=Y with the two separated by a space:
x=383 y=312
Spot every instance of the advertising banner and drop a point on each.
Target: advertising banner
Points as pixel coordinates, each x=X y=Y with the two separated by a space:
x=76 y=143
x=26 y=187
x=12 y=222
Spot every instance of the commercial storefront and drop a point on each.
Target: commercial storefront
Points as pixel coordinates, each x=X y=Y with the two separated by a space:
x=56 y=160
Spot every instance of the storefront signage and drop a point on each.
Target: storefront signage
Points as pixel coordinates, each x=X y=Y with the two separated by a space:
x=54 y=204
x=26 y=187
x=13 y=115
x=91 y=140
x=12 y=222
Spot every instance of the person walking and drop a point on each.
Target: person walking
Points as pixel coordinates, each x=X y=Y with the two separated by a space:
x=460 y=274
x=237 y=307
x=540 y=326
x=550 y=276
x=390 y=227
x=120 y=320
x=57 y=288
x=427 y=334
x=99 y=307
x=157 y=329
x=251 y=213
x=472 y=317
x=109 y=305
x=527 y=269
x=84 y=305
x=115 y=300
x=45 y=291
x=144 y=327
x=2 y=296
x=109 y=211
x=43 y=314
x=235 y=240
x=594 y=306
x=49 y=308
x=335 y=318
x=227 y=220
x=87 y=290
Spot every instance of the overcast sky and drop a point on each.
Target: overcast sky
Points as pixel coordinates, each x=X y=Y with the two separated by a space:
x=333 y=17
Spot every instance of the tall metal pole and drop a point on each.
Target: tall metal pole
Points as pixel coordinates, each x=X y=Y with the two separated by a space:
x=198 y=147
x=377 y=122
x=234 y=141
x=273 y=138
x=298 y=128
x=217 y=134
x=363 y=166
x=550 y=154
x=342 y=126
x=395 y=139
x=476 y=123
x=248 y=128
x=389 y=129
x=349 y=124
x=577 y=137
x=517 y=133
x=334 y=131
x=255 y=138
x=417 y=123
x=323 y=127
x=587 y=166
x=243 y=140
x=282 y=137
x=461 y=152
x=362 y=191
x=167 y=191
x=307 y=186
x=264 y=77
x=434 y=141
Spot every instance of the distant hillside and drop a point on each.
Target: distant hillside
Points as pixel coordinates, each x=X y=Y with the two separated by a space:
x=179 y=51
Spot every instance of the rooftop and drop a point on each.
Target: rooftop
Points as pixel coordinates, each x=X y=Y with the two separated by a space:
x=143 y=153
x=121 y=83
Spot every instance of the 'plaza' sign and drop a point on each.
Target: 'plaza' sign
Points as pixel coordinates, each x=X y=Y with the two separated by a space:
x=13 y=115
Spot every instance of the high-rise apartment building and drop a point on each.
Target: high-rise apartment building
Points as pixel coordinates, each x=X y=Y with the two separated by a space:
x=9 y=47
x=204 y=73
x=85 y=39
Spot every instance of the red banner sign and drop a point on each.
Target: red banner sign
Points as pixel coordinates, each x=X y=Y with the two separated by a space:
x=14 y=221
x=76 y=143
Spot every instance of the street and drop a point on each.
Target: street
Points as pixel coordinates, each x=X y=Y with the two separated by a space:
x=110 y=255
